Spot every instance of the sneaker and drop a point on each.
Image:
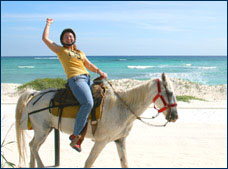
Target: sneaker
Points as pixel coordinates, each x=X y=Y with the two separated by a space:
x=76 y=146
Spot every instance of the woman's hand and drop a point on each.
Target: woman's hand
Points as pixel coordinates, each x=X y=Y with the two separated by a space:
x=49 y=21
x=102 y=74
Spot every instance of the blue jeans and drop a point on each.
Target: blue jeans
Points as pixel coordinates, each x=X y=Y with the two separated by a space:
x=80 y=87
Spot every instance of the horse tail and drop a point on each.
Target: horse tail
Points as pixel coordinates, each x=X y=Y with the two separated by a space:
x=21 y=103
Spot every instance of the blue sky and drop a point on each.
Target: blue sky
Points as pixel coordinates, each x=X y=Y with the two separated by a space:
x=116 y=27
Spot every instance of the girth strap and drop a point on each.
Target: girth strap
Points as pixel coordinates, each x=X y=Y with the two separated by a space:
x=61 y=109
x=49 y=107
x=42 y=94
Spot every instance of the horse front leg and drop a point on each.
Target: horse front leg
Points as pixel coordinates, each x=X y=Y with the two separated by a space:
x=121 y=148
x=97 y=148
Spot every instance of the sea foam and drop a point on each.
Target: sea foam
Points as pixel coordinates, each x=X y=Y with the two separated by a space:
x=139 y=67
x=24 y=67
x=46 y=58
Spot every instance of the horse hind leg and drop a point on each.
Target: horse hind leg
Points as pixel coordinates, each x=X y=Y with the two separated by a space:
x=32 y=156
x=121 y=148
x=35 y=144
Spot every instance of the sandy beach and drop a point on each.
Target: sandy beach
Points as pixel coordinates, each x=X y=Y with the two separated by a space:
x=198 y=139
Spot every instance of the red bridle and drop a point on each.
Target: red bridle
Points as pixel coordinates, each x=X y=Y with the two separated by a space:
x=166 y=106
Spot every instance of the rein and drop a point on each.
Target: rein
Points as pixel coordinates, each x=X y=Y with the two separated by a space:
x=137 y=117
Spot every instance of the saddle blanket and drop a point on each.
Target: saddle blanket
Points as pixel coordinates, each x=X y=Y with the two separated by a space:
x=70 y=112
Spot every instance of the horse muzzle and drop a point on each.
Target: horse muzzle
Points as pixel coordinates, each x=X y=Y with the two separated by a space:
x=172 y=118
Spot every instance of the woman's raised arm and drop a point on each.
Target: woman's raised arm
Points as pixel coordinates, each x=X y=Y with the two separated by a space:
x=53 y=46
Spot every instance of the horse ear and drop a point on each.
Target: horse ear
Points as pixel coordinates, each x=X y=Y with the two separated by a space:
x=165 y=79
x=167 y=82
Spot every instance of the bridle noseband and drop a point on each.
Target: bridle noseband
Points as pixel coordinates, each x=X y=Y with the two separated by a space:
x=166 y=106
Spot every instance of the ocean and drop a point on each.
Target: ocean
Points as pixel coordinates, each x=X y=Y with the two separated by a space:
x=210 y=70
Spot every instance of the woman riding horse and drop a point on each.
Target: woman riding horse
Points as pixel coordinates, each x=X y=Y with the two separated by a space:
x=74 y=63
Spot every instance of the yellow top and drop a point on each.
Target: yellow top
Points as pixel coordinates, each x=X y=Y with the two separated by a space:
x=73 y=62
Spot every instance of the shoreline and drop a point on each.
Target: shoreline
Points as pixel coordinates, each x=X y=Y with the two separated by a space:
x=181 y=87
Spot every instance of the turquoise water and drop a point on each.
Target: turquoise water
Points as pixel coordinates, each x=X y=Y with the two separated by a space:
x=210 y=70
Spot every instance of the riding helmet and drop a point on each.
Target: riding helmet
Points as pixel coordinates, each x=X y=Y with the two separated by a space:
x=64 y=31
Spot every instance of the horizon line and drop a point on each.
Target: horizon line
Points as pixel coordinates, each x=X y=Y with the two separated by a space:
x=117 y=55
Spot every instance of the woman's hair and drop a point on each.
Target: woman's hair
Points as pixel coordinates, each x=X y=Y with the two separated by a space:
x=75 y=48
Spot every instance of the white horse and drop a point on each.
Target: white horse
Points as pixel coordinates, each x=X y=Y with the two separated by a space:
x=114 y=125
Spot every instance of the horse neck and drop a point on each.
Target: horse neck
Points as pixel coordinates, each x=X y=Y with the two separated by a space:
x=140 y=97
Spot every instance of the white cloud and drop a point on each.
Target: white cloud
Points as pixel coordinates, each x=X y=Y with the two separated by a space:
x=140 y=18
x=150 y=19
x=25 y=28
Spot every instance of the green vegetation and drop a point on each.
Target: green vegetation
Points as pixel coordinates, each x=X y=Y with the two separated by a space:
x=188 y=98
x=42 y=84
x=187 y=86
x=4 y=161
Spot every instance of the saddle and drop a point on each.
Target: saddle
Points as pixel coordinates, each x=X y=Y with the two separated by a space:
x=66 y=105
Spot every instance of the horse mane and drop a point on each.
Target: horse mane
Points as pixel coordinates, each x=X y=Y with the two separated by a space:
x=137 y=94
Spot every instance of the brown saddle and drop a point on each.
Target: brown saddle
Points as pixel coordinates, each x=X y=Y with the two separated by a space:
x=68 y=104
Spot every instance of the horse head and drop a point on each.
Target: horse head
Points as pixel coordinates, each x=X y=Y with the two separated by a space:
x=167 y=102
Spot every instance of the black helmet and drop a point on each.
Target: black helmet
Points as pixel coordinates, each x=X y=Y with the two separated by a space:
x=64 y=31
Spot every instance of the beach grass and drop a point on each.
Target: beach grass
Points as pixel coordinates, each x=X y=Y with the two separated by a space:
x=42 y=84
x=5 y=163
x=186 y=98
